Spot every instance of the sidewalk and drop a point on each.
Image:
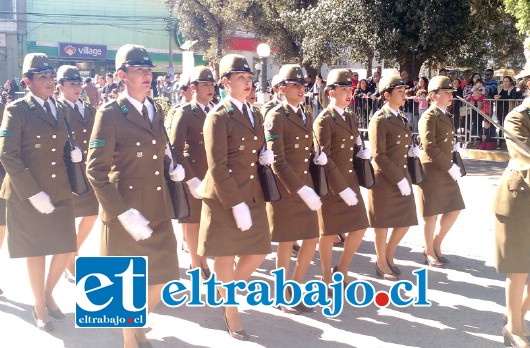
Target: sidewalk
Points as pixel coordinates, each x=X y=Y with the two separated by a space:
x=467 y=297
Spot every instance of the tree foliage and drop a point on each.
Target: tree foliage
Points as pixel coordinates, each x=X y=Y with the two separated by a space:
x=520 y=9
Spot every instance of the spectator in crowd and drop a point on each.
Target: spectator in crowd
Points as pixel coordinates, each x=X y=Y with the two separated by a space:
x=109 y=86
x=489 y=133
x=416 y=83
x=91 y=92
x=423 y=104
x=308 y=79
x=490 y=83
x=175 y=88
x=478 y=98
x=452 y=75
x=362 y=102
x=373 y=84
x=405 y=78
x=454 y=108
x=251 y=98
x=468 y=89
x=354 y=82
x=408 y=108
x=9 y=89
x=505 y=93
x=167 y=87
x=443 y=72
x=315 y=94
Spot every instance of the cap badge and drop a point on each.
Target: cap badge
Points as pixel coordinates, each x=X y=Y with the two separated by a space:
x=298 y=76
x=245 y=65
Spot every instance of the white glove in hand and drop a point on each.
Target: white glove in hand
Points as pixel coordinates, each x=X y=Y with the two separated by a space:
x=310 y=198
x=456 y=146
x=321 y=159
x=266 y=157
x=178 y=173
x=193 y=184
x=414 y=151
x=42 y=202
x=76 y=155
x=349 y=196
x=167 y=151
x=454 y=171
x=242 y=215
x=404 y=187
x=365 y=153
x=136 y=224
x=358 y=141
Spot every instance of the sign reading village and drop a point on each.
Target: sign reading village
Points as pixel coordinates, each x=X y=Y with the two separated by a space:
x=83 y=51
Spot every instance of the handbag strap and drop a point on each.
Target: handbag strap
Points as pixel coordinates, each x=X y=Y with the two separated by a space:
x=70 y=135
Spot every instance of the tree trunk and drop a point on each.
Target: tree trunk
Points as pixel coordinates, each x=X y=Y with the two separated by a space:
x=412 y=64
x=368 y=66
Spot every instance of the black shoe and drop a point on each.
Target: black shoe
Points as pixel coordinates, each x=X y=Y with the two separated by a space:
x=509 y=340
x=41 y=325
x=206 y=273
x=435 y=263
x=238 y=335
x=441 y=258
x=56 y=314
x=303 y=308
x=505 y=322
x=385 y=276
x=336 y=270
x=395 y=270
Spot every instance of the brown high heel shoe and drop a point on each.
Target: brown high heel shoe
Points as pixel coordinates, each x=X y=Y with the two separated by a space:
x=441 y=258
x=238 y=335
x=509 y=340
x=505 y=322
x=395 y=270
x=41 y=325
x=385 y=276
x=435 y=263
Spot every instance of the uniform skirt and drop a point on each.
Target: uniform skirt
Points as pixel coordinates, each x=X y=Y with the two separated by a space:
x=337 y=217
x=512 y=244
x=86 y=205
x=219 y=235
x=439 y=193
x=387 y=208
x=31 y=233
x=291 y=219
x=195 y=209
x=160 y=248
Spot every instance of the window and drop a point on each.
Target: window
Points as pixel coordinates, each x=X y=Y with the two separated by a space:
x=6 y=9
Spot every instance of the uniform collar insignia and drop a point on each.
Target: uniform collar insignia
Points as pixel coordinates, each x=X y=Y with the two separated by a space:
x=124 y=109
x=389 y=115
x=287 y=112
x=194 y=107
x=230 y=109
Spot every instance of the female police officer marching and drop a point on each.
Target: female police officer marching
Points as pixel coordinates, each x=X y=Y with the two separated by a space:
x=187 y=141
x=391 y=202
x=80 y=116
x=343 y=209
x=233 y=217
x=439 y=192
x=126 y=170
x=40 y=210
x=289 y=135
x=511 y=206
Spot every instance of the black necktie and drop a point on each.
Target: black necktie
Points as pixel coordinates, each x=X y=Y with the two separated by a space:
x=48 y=109
x=299 y=113
x=145 y=114
x=245 y=112
x=206 y=110
x=76 y=108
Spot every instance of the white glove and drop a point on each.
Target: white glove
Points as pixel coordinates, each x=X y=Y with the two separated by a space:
x=414 y=151
x=310 y=198
x=349 y=196
x=193 y=184
x=136 y=224
x=167 y=151
x=456 y=146
x=358 y=141
x=76 y=155
x=454 y=171
x=42 y=202
x=321 y=159
x=242 y=215
x=365 y=153
x=266 y=157
x=178 y=173
x=404 y=187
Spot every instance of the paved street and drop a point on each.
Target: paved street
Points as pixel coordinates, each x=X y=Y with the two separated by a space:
x=467 y=298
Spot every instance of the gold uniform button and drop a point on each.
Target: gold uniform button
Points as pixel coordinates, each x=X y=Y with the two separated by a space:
x=130 y=187
x=230 y=170
x=305 y=171
x=155 y=156
x=38 y=136
x=350 y=171
x=53 y=150
x=306 y=160
x=157 y=172
x=306 y=136
x=138 y=143
x=297 y=138
x=253 y=151
x=306 y=148
x=158 y=188
x=351 y=159
x=53 y=175
x=405 y=166
x=255 y=137
x=53 y=163
x=405 y=156
x=84 y=141
x=84 y=130
x=406 y=135
x=351 y=148
x=252 y=164
x=54 y=136
x=351 y=136
x=252 y=176
x=154 y=141
x=85 y=151
x=242 y=139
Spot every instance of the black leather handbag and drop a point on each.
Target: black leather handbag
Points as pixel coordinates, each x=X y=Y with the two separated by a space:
x=457 y=159
x=364 y=169
x=269 y=185
x=318 y=174
x=75 y=172
x=177 y=192
x=414 y=166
